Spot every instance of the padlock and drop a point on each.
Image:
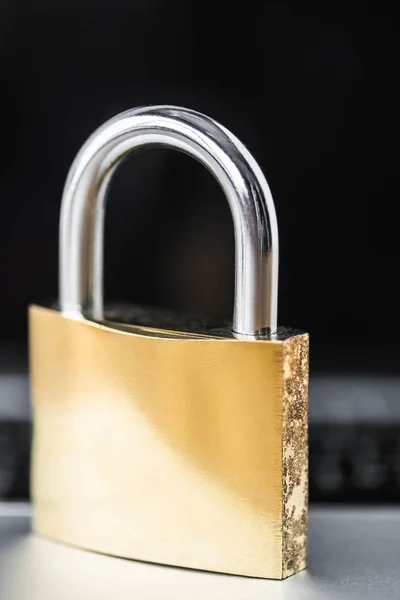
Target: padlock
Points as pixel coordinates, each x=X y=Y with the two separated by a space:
x=162 y=440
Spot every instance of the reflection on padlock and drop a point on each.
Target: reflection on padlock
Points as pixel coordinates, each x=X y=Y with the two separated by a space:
x=172 y=444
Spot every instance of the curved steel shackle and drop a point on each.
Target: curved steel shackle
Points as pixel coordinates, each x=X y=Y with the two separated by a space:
x=248 y=194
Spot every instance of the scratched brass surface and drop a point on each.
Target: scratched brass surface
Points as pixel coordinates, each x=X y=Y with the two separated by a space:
x=170 y=450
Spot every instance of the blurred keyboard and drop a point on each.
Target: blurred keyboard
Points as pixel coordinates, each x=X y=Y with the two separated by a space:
x=354 y=438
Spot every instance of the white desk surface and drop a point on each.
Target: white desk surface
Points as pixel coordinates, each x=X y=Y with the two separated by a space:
x=353 y=553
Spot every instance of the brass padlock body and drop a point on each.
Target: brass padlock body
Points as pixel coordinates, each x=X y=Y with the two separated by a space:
x=177 y=449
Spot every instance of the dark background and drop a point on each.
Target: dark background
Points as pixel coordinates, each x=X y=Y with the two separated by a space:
x=309 y=88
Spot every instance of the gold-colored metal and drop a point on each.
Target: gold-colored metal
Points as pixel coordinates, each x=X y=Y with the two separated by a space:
x=189 y=451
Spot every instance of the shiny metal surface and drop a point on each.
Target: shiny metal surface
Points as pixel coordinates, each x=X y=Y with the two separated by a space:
x=185 y=446
x=248 y=194
x=353 y=555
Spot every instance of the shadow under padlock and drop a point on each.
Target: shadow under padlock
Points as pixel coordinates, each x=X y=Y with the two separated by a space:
x=184 y=445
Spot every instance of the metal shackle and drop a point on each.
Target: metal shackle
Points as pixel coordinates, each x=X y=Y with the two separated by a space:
x=247 y=191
